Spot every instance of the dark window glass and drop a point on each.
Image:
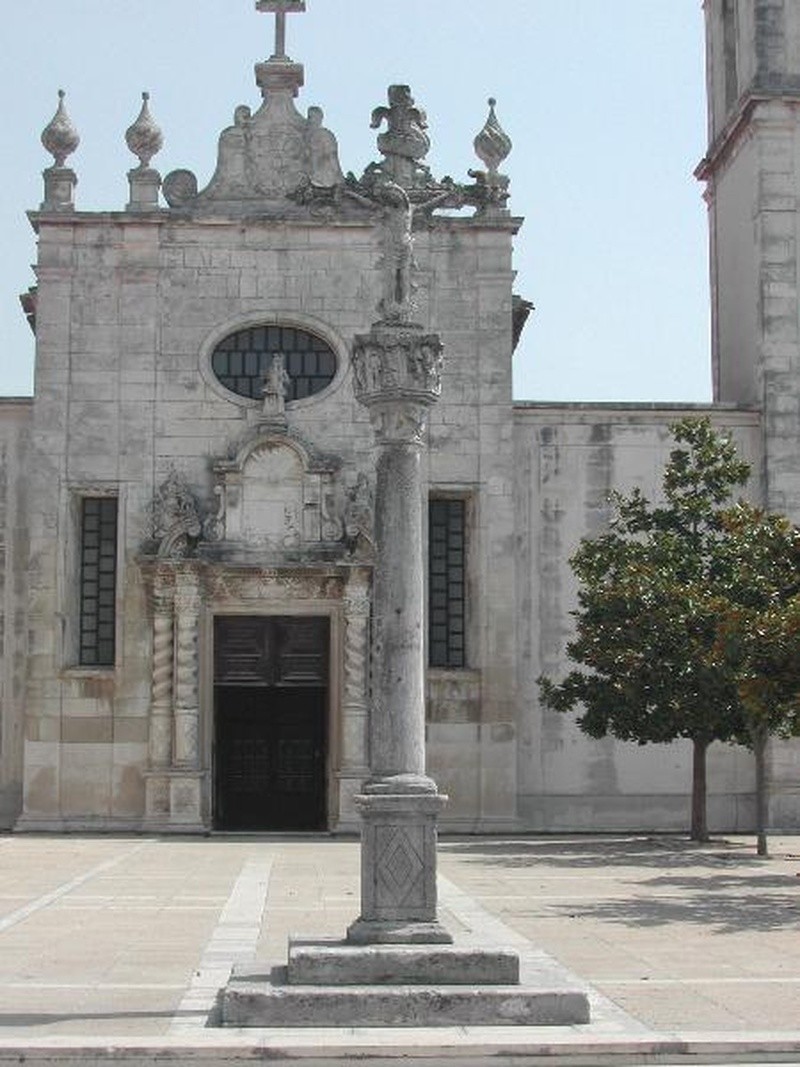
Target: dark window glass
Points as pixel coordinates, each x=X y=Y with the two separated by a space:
x=446 y=593
x=242 y=361
x=98 y=581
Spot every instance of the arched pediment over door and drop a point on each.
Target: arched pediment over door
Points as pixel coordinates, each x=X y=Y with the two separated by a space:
x=279 y=498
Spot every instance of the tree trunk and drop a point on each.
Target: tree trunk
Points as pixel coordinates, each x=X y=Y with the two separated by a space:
x=699 y=816
x=760 y=738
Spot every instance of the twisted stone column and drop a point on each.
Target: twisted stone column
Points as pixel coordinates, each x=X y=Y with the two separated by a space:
x=160 y=741
x=356 y=650
x=187 y=712
x=397 y=373
x=161 y=724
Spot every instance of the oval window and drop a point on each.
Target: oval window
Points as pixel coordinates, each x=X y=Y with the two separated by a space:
x=242 y=361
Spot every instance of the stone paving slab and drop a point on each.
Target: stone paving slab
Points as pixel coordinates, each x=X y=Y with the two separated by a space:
x=112 y=948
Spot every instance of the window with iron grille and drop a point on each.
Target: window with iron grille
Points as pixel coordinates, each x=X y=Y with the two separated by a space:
x=98 y=581
x=446 y=583
x=242 y=361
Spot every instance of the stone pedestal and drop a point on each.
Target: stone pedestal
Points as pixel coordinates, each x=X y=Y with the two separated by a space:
x=145 y=183
x=59 y=189
x=398 y=870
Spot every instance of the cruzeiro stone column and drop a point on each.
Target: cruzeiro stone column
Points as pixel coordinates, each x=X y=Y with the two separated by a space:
x=397 y=372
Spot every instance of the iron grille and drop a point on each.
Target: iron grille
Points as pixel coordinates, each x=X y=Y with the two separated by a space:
x=446 y=583
x=242 y=361
x=98 y=583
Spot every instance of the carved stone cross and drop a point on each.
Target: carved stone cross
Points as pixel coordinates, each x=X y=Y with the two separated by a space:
x=280 y=8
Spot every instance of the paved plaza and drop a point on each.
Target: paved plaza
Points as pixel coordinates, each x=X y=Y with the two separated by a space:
x=116 y=946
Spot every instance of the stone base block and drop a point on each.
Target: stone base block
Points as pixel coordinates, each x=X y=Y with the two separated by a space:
x=384 y=932
x=332 y=962
x=276 y=1003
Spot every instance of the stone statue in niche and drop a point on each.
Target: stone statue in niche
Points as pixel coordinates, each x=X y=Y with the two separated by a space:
x=332 y=509
x=359 y=517
x=175 y=518
x=276 y=386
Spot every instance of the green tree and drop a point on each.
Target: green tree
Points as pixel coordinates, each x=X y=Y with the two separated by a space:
x=758 y=632
x=647 y=617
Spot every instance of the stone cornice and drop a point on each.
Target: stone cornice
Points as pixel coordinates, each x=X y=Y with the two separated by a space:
x=729 y=136
x=165 y=216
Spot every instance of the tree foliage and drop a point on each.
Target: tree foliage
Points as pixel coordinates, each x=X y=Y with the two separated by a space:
x=758 y=631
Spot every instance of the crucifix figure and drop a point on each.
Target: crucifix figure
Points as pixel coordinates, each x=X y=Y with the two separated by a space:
x=280 y=8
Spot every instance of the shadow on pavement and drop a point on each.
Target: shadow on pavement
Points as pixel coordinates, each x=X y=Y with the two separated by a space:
x=627 y=851
x=716 y=912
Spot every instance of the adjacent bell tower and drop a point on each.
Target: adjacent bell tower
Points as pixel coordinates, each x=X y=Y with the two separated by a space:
x=752 y=171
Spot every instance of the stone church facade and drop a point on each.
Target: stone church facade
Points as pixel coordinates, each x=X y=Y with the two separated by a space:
x=186 y=502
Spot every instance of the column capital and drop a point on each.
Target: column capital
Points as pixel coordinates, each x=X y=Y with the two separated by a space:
x=397 y=363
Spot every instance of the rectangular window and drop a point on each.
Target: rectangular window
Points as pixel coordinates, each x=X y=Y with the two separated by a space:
x=98 y=581
x=446 y=583
x=729 y=45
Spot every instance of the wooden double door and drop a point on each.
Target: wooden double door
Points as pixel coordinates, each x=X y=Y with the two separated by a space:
x=270 y=722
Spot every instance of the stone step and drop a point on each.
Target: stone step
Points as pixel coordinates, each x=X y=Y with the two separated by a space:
x=332 y=962
x=269 y=1003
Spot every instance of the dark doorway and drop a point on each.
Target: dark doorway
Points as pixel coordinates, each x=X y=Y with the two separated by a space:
x=270 y=713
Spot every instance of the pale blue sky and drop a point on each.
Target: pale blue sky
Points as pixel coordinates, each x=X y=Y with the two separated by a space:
x=604 y=101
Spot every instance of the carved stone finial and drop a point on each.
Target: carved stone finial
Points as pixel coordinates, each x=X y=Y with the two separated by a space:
x=59 y=136
x=144 y=138
x=405 y=141
x=492 y=145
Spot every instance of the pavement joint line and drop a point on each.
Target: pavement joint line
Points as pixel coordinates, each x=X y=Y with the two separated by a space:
x=233 y=940
x=47 y=899
x=699 y=981
x=92 y=985
x=489 y=929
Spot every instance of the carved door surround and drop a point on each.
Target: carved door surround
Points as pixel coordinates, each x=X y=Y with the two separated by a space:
x=185 y=597
x=288 y=537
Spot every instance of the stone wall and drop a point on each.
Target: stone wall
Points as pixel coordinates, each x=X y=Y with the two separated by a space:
x=15 y=417
x=568 y=459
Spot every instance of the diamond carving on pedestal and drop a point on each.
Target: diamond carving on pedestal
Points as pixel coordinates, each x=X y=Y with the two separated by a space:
x=400 y=867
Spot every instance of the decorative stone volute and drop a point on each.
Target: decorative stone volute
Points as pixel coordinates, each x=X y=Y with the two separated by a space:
x=60 y=138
